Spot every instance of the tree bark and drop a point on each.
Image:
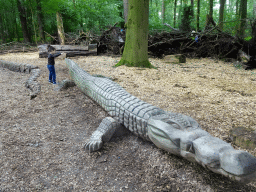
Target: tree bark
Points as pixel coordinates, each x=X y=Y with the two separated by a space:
x=174 y=18
x=163 y=11
x=40 y=20
x=180 y=10
x=211 y=9
x=136 y=43
x=243 y=13
x=254 y=25
x=209 y=17
x=221 y=13
x=198 y=16
x=192 y=7
x=23 y=20
x=1 y=29
x=237 y=7
x=125 y=2
x=60 y=27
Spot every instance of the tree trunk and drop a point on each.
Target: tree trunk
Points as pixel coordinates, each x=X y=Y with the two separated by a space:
x=243 y=12
x=254 y=26
x=74 y=4
x=163 y=11
x=136 y=43
x=23 y=20
x=1 y=29
x=237 y=7
x=40 y=20
x=174 y=18
x=198 y=16
x=211 y=9
x=180 y=11
x=60 y=27
x=17 y=32
x=192 y=7
x=221 y=13
x=125 y=2
x=209 y=17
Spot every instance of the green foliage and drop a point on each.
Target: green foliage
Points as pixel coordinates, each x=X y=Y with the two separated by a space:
x=97 y=15
x=248 y=38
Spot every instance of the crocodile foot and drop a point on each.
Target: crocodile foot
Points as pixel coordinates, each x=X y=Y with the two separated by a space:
x=95 y=142
x=104 y=133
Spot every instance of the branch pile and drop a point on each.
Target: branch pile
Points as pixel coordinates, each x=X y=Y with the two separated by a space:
x=112 y=40
x=211 y=43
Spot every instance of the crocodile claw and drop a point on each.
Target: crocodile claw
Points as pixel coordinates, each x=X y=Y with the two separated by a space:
x=93 y=145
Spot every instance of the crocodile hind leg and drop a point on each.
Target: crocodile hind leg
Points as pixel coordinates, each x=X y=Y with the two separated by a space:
x=107 y=128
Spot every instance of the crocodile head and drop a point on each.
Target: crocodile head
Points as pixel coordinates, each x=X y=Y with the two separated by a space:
x=167 y=130
x=182 y=135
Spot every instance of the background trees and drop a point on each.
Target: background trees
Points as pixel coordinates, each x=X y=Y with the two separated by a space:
x=32 y=21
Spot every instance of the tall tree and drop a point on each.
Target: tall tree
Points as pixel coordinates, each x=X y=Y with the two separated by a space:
x=175 y=9
x=211 y=8
x=209 y=17
x=1 y=28
x=198 y=16
x=163 y=11
x=40 y=20
x=74 y=2
x=136 y=43
x=221 y=13
x=60 y=27
x=192 y=6
x=237 y=7
x=23 y=20
x=180 y=10
x=125 y=2
x=254 y=25
x=243 y=15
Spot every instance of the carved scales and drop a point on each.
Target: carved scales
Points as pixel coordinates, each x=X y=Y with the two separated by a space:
x=176 y=133
x=128 y=110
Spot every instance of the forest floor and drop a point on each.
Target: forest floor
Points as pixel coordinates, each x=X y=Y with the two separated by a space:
x=41 y=140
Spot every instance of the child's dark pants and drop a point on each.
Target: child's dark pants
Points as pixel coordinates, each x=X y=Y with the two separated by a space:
x=52 y=74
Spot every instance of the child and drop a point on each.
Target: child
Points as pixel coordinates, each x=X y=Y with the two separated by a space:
x=52 y=54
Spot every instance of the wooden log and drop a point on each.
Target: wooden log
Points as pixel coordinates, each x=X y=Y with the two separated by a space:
x=70 y=50
x=243 y=56
x=179 y=58
x=71 y=53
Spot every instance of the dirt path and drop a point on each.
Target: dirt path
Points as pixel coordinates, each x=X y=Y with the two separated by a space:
x=41 y=146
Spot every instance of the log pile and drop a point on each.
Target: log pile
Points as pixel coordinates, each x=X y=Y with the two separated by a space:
x=15 y=47
x=70 y=50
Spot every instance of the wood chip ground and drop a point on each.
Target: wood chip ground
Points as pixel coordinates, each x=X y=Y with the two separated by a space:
x=41 y=140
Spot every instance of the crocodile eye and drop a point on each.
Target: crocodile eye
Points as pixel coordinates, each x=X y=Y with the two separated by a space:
x=172 y=123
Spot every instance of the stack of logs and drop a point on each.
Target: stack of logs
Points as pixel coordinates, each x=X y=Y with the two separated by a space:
x=70 y=50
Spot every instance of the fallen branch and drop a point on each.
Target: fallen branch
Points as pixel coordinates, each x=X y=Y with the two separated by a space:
x=166 y=24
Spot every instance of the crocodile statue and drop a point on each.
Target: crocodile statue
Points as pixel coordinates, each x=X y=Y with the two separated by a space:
x=176 y=133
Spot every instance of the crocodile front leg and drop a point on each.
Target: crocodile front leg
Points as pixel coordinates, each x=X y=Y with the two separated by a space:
x=103 y=134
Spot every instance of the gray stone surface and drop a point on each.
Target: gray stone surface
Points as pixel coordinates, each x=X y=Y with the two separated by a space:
x=65 y=84
x=176 y=133
x=31 y=83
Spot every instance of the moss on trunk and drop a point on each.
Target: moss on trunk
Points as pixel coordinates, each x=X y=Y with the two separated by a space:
x=60 y=27
x=136 y=44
